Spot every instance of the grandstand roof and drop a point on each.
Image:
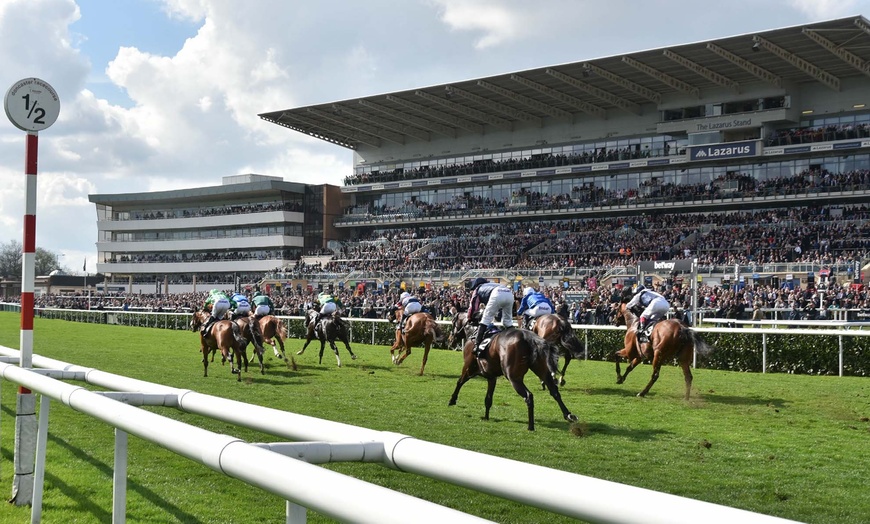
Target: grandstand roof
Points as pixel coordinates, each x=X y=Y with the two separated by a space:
x=255 y=188
x=823 y=52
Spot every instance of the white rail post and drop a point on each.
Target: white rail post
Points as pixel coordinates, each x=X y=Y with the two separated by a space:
x=39 y=468
x=841 y=354
x=296 y=514
x=764 y=352
x=119 y=479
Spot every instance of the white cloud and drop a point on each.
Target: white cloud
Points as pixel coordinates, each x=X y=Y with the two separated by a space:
x=825 y=9
x=496 y=21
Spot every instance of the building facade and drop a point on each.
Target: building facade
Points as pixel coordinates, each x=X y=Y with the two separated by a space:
x=228 y=235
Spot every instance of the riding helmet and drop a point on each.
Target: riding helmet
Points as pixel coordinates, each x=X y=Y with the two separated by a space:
x=528 y=291
x=640 y=287
x=404 y=295
x=478 y=281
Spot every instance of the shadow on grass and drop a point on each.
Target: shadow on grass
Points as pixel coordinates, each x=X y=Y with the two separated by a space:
x=94 y=509
x=743 y=401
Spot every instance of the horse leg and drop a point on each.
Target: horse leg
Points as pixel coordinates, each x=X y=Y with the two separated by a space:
x=469 y=370
x=657 y=365
x=347 y=345
x=335 y=350
x=308 y=338
x=687 y=372
x=322 y=347
x=204 y=351
x=545 y=377
x=633 y=358
x=425 y=356
x=404 y=353
x=568 y=358
x=487 y=401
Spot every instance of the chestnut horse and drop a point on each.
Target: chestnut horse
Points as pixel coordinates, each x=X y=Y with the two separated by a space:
x=223 y=337
x=512 y=353
x=329 y=329
x=669 y=339
x=420 y=328
x=274 y=333
x=557 y=331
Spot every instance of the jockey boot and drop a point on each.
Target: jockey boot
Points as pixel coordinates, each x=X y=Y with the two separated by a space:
x=205 y=327
x=402 y=322
x=641 y=331
x=478 y=338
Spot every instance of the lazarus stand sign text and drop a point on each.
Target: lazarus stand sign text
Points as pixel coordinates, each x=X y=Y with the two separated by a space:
x=722 y=151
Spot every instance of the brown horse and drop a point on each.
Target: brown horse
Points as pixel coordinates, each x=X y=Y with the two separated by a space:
x=274 y=333
x=420 y=328
x=222 y=337
x=512 y=353
x=557 y=331
x=246 y=329
x=458 y=333
x=329 y=329
x=669 y=339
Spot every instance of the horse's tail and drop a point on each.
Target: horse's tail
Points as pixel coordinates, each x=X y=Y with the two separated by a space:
x=701 y=346
x=280 y=329
x=436 y=331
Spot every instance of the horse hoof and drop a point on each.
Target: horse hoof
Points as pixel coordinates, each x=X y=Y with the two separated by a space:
x=619 y=380
x=571 y=417
x=562 y=382
x=353 y=357
x=299 y=352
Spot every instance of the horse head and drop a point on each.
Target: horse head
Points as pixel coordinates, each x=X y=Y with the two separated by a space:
x=198 y=319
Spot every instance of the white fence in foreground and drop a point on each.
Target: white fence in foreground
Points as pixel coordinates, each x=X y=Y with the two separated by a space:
x=280 y=468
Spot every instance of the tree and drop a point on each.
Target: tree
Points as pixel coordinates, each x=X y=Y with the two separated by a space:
x=10 y=260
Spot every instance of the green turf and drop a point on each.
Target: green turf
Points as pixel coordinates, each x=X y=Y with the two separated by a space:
x=794 y=446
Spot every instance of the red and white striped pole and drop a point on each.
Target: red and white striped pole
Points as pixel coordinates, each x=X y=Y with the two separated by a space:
x=31 y=105
x=25 y=414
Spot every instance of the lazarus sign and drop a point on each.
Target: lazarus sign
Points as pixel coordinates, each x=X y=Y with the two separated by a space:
x=729 y=150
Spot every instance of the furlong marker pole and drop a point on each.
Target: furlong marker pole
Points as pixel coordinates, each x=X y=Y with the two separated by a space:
x=31 y=105
x=25 y=413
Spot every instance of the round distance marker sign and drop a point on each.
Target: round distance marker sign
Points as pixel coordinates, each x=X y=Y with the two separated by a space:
x=32 y=105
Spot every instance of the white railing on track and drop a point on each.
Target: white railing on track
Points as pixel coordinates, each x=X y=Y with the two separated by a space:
x=306 y=485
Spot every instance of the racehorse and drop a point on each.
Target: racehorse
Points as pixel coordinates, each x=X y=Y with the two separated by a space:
x=420 y=328
x=669 y=339
x=329 y=329
x=222 y=337
x=246 y=328
x=274 y=333
x=512 y=353
x=557 y=331
x=458 y=333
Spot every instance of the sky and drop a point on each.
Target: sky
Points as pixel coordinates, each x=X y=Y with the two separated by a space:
x=164 y=94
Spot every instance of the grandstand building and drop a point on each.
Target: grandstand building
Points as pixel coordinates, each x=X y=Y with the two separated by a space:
x=770 y=128
x=232 y=234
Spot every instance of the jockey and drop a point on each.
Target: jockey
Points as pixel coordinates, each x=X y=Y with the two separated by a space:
x=654 y=308
x=240 y=305
x=328 y=305
x=218 y=304
x=410 y=305
x=493 y=298
x=534 y=304
x=262 y=304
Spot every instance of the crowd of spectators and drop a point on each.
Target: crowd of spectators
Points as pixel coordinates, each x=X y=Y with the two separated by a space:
x=235 y=209
x=589 y=156
x=812 y=235
x=732 y=185
x=598 y=153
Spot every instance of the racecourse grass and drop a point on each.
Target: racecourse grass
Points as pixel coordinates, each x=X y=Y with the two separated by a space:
x=793 y=446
